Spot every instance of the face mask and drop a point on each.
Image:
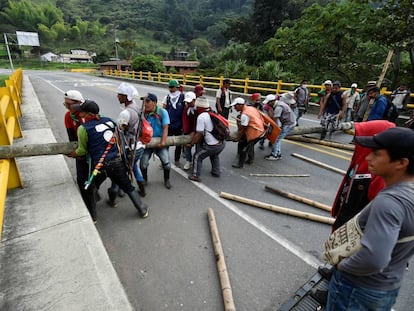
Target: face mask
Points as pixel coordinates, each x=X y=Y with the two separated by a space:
x=304 y=86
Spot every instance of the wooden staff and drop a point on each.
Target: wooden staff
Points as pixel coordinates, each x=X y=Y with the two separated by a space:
x=279 y=175
x=313 y=140
x=328 y=167
x=299 y=198
x=379 y=82
x=278 y=209
x=221 y=264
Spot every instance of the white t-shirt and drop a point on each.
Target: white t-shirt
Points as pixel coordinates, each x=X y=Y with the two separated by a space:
x=244 y=119
x=205 y=125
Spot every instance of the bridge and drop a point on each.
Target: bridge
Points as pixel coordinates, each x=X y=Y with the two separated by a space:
x=54 y=258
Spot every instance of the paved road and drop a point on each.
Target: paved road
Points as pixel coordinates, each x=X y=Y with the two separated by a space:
x=166 y=262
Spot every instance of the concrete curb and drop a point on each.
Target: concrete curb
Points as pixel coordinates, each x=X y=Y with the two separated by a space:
x=51 y=255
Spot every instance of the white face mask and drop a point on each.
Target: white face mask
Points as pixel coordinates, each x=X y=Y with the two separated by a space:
x=304 y=86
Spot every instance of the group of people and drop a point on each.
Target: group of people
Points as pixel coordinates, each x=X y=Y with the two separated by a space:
x=381 y=171
x=353 y=105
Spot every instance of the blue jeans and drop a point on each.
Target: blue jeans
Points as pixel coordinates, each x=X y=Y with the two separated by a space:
x=343 y=296
x=277 y=147
x=162 y=153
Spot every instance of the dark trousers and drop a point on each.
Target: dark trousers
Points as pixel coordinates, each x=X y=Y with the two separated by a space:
x=244 y=148
x=177 y=152
x=114 y=169
x=203 y=151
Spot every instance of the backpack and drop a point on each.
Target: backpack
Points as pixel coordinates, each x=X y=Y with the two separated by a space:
x=220 y=126
x=391 y=112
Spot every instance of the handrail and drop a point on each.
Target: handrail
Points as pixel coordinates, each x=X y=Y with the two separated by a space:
x=245 y=86
x=10 y=111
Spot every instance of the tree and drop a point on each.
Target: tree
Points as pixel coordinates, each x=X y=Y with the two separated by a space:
x=327 y=42
x=147 y=63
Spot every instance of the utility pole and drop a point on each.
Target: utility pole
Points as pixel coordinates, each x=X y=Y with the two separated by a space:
x=116 y=49
x=8 y=51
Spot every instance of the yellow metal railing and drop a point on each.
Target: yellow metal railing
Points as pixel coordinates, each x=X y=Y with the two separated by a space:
x=10 y=111
x=245 y=86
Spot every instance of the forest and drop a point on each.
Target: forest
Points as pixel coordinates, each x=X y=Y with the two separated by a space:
x=346 y=40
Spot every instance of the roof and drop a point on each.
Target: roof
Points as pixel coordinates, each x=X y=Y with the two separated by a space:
x=116 y=63
x=181 y=63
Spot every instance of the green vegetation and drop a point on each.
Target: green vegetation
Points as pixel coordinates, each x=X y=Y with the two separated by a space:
x=2 y=79
x=345 y=40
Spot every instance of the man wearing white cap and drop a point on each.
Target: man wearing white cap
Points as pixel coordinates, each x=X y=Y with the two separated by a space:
x=72 y=123
x=189 y=121
x=206 y=144
x=128 y=123
x=352 y=100
x=250 y=131
x=286 y=119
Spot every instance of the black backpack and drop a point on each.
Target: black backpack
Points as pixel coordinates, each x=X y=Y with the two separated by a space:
x=220 y=126
x=391 y=112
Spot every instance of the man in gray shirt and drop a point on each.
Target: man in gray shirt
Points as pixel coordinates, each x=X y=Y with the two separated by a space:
x=370 y=279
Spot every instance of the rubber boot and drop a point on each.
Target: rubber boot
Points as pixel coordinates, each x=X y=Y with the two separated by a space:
x=167 y=183
x=141 y=186
x=112 y=197
x=144 y=173
x=141 y=207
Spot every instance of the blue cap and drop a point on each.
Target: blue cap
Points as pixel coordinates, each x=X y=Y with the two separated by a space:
x=151 y=97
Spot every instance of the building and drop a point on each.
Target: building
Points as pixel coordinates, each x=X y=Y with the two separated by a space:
x=181 y=66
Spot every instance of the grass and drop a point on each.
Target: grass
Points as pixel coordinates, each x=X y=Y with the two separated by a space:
x=38 y=65
x=2 y=79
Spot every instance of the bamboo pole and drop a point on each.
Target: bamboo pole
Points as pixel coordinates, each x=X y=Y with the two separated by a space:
x=322 y=142
x=221 y=264
x=379 y=82
x=279 y=175
x=278 y=209
x=328 y=167
x=299 y=198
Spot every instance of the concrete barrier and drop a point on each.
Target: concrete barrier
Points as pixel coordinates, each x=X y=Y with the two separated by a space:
x=51 y=255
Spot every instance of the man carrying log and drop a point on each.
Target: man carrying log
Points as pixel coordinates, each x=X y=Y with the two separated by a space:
x=96 y=137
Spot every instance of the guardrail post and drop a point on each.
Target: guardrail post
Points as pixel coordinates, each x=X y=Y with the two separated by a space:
x=279 y=86
x=246 y=86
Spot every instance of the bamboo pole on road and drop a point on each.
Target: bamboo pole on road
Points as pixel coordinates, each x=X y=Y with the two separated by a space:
x=322 y=142
x=221 y=264
x=279 y=175
x=278 y=209
x=299 y=198
x=328 y=167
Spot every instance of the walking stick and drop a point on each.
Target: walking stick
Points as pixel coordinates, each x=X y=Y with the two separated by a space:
x=99 y=165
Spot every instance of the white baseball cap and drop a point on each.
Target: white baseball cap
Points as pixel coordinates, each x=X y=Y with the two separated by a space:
x=354 y=85
x=238 y=100
x=189 y=97
x=74 y=95
x=269 y=98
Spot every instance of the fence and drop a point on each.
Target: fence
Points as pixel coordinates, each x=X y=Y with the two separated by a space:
x=10 y=101
x=245 y=86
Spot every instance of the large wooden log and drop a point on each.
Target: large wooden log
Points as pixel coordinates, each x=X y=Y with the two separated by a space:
x=29 y=150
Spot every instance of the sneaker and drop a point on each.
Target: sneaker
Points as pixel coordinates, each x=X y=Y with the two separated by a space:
x=272 y=157
x=214 y=174
x=177 y=163
x=237 y=165
x=187 y=165
x=146 y=213
x=194 y=178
